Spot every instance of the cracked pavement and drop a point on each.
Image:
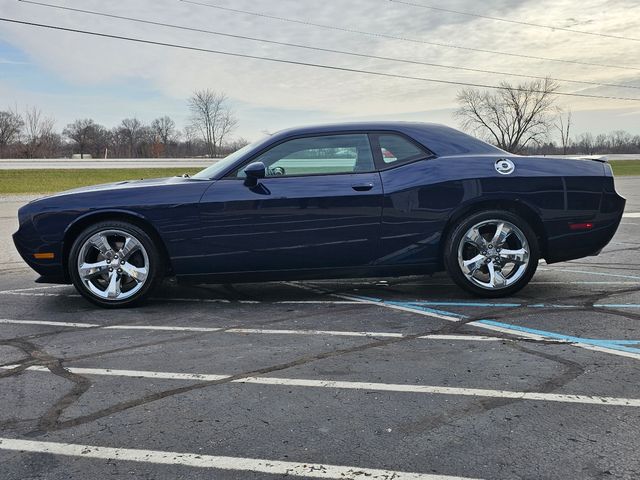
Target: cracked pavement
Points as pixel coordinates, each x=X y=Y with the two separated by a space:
x=327 y=373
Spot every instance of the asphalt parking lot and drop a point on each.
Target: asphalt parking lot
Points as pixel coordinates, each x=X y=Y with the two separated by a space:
x=389 y=379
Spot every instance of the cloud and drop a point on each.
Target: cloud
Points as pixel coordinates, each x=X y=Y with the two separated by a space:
x=275 y=92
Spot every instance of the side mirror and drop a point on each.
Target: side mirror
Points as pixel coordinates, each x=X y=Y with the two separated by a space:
x=254 y=172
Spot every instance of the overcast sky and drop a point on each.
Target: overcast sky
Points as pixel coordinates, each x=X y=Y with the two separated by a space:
x=71 y=76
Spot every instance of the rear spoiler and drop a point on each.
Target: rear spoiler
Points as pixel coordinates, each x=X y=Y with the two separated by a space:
x=597 y=158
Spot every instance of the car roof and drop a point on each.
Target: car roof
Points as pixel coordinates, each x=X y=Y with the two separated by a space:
x=440 y=139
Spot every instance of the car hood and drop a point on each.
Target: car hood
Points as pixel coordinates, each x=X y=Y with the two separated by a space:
x=151 y=182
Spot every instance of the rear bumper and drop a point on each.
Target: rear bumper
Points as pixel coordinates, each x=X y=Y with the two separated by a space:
x=568 y=245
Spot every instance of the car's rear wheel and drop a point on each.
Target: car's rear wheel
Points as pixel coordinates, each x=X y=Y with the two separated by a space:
x=492 y=253
x=114 y=264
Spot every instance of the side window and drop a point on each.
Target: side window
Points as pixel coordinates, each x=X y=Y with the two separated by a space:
x=317 y=155
x=397 y=149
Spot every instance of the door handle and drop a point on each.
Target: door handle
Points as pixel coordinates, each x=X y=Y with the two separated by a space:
x=362 y=187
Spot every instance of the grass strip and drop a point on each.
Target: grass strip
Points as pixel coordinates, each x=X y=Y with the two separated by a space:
x=55 y=180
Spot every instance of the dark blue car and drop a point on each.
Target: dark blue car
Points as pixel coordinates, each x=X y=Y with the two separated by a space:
x=348 y=200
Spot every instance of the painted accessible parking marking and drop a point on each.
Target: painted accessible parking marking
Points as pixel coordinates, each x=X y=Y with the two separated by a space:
x=473 y=304
x=624 y=345
x=613 y=346
x=339 y=384
x=216 y=462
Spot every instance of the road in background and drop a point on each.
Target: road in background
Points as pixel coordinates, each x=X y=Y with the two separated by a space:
x=64 y=163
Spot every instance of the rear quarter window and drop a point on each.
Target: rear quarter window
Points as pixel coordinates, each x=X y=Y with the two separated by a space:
x=396 y=150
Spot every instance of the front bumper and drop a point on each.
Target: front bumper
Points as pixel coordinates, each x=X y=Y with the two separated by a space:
x=28 y=243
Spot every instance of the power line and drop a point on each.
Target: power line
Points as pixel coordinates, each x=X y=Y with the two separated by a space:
x=306 y=64
x=406 y=39
x=329 y=50
x=517 y=22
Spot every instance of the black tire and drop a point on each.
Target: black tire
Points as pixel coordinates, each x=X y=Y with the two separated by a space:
x=154 y=267
x=452 y=257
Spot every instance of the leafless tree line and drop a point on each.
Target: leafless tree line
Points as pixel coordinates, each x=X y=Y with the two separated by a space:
x=525 y=119
x=617 y=141
x=31 y=134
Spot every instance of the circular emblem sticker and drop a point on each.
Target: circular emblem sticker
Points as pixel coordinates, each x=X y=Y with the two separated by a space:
x=505 y=166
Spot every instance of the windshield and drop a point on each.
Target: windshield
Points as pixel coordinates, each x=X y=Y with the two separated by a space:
x=221 y=165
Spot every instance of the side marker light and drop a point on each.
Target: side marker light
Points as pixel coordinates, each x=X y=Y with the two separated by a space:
x=580 y=226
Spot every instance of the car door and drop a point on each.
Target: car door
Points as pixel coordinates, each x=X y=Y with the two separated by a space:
x=415 y=201
x=318 y=207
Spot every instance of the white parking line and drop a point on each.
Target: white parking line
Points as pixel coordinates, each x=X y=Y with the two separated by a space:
x=39 y=294
x=203 y=300
x=336 y=302
x=336 y=333
x=198 y=460
x=44 y=287
x=429 y=389
x=565 y=283
x=312 y=302
x=382 y=387
x=450 y=318
x=163 y=328
x=204 y=377
x=586 y=282
x=591 y=272
x=475 y=338
x=45 y=322
x=260 y=331
x=631 y=215
x=28 y=293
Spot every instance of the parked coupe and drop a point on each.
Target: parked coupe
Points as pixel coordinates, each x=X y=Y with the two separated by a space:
x=332 y=201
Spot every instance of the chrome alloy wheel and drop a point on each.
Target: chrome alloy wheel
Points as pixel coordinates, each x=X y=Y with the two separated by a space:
x=493 y=254
x=113 y=265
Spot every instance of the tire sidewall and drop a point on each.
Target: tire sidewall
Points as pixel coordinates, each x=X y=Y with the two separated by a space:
x=456 y=235
x=155 y=270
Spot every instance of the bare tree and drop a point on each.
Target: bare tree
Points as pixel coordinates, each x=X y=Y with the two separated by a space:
x=190 y=138
x=618 y=140
x=164 y=128
x=51 y=145
x=147 y=144
x=585 y=143
x=132 y=131
x=99 y=141
x=83 y=133
x=237 y=144
x=228 y=124
x=564 y=128
x=38 y=131
x=211 y=116
x=10 y=128
x=511 y=117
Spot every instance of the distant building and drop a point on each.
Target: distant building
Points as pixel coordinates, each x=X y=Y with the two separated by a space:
x=79 y=156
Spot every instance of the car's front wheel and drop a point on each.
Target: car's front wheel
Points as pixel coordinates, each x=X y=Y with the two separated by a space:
x=492 y=253
x=114 y=264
